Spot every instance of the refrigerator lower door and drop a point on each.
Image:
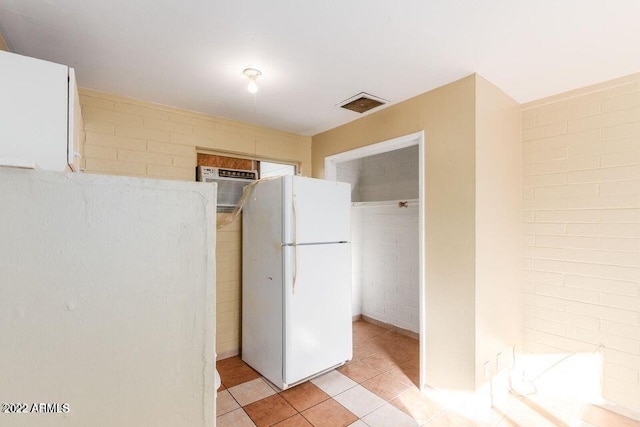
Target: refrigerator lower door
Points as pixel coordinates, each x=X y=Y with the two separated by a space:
x=317 y=310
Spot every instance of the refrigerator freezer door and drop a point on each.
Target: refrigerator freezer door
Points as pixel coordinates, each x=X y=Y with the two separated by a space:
x=316 y=211
x=318 y=311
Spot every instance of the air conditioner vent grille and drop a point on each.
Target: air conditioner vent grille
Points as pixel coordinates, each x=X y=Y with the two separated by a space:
x=362 y=103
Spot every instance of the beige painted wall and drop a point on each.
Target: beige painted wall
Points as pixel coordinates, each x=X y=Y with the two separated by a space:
x=447 y=115
x=582 y=229
x=130 y=137
x=472 y=183
x=498 y=227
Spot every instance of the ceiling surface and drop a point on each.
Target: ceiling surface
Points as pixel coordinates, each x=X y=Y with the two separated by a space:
x=314 y=54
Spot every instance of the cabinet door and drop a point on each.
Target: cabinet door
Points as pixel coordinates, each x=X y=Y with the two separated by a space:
x=33 y=112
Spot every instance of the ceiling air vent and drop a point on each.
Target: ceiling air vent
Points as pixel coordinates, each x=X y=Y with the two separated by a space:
x=362 y=102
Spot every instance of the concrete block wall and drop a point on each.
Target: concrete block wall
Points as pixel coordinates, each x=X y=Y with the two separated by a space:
x=357 y=224
x=384 y=237
x=385 y=243
x=581 y=160
x=130 y=137
x=228 y=287
x=390 y=176
x=351 y=172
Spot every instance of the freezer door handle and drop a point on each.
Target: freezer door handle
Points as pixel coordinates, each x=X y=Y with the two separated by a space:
x=294 y=205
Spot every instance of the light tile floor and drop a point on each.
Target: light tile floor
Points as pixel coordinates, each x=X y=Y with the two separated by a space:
x=378 y=388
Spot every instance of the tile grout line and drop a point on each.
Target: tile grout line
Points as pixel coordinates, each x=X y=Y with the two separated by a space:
x=371 y=338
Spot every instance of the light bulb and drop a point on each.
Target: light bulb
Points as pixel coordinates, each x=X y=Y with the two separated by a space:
x=252 y=87
x=252 y=74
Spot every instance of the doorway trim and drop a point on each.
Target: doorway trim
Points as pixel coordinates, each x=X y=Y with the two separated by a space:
x=417 y=138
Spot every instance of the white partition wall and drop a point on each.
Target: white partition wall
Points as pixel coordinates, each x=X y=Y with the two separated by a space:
x=107 y=299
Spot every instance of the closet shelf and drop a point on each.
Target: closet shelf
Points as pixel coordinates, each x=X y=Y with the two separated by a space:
x=383 y=203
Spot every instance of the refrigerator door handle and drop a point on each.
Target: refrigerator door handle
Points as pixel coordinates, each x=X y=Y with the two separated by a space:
x=294 y=204
x=295 y=268
x=295 y=240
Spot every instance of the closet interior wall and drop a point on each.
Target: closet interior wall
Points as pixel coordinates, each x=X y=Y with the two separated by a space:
x=385 y=236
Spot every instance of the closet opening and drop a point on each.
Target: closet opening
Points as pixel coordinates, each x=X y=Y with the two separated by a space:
x=387 y=235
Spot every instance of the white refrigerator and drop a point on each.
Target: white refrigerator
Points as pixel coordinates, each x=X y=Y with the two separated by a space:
x=296 y=278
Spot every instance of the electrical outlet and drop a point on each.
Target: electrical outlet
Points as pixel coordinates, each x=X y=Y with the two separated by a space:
x=499 y=362
x=487 y=370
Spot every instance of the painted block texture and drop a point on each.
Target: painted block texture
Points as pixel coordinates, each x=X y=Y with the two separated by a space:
x=581 y=159
x=384 y=237
x=129 y=137
x=385 y=273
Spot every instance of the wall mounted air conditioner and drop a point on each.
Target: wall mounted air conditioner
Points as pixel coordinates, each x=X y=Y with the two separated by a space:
x=231 y=183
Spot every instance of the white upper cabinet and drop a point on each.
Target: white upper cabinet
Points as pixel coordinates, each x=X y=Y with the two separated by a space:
x=40 y=117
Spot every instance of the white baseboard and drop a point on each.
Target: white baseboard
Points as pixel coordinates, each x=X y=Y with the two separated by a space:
x=621 y=410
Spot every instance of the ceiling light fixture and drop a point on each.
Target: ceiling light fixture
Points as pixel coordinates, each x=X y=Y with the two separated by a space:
x=253 y=75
